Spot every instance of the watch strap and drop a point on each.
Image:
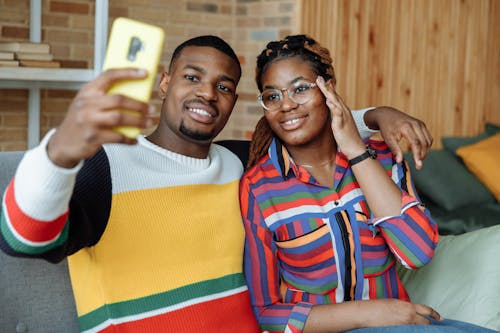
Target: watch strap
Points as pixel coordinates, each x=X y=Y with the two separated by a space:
x=369 y=153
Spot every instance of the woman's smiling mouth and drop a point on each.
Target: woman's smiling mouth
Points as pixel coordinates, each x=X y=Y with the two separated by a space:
x=294 y=123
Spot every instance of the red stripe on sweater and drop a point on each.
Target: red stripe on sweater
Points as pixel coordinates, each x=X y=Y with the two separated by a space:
x=29 y=228
x=226 y=315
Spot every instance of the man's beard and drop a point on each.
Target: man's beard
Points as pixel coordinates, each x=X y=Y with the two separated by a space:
x=196 y=136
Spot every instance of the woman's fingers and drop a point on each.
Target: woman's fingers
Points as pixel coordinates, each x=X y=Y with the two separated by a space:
x=424 y=310
x=320 y=81
x=332 y=99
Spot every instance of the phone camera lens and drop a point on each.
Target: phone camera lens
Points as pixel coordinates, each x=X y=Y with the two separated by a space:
x=134 y=47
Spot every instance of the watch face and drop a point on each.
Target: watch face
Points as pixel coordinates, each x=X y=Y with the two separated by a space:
x=371 y=151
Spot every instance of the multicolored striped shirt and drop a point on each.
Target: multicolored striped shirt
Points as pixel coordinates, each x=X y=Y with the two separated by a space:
x=154 y=238
x=308 y=244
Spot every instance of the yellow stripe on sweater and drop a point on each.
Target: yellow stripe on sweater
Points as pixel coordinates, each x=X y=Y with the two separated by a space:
x=157 y=240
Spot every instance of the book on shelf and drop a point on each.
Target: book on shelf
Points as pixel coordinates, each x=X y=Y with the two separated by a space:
x=39 y=64
x=24 y=47
x=9 y=63
x=34 y=56
x=6 y=55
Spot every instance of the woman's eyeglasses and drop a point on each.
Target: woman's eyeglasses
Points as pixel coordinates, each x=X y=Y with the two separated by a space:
x=300 y=93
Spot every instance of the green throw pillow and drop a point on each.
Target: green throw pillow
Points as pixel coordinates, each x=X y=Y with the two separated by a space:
x=492 y=129
x=467 y=218
x=461 y=281
x=452 y=143
x=446 y=181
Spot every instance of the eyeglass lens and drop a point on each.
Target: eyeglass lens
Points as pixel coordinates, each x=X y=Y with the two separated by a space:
x=272 y=99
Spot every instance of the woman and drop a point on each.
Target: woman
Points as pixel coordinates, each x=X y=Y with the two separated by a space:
x=327 y=215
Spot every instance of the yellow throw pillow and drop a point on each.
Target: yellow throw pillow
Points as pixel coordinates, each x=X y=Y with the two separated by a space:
x=483 y=160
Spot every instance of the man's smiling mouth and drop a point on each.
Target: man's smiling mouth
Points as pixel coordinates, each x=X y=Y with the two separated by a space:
x=201 y=112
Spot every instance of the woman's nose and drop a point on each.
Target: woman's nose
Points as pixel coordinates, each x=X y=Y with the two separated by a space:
x=287 y=103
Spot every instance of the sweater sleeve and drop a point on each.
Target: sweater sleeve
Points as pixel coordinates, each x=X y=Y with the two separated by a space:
x=364 y=131
x=38 y=205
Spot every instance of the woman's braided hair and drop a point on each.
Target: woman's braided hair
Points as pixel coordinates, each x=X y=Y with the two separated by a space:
x=292 y=46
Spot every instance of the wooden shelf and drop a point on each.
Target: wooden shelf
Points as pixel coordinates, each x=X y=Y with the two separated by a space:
x=27 y=77
x=46 y=74
x=35 y=79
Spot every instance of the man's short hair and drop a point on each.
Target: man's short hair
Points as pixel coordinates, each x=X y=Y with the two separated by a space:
x=208 y=41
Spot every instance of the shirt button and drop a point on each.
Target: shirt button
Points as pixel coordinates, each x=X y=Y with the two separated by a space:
x=336 y=203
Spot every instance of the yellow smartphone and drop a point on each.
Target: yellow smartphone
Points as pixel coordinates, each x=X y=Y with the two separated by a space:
x=134 y=44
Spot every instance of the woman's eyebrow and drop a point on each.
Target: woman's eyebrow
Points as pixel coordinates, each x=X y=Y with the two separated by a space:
x=298 y=78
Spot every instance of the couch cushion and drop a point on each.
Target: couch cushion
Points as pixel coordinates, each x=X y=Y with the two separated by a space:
x=240 y=148
x=8 y=164
x=466 y=218
x=447 y=182
x=461 y=282
x=492 y=129
x=452 y=143
x=483 y=160
x=36 y=296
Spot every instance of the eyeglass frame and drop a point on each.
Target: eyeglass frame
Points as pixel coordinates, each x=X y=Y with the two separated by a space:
x=282 y=97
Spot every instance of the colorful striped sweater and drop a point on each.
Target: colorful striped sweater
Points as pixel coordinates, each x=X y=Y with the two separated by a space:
x=308 y=244
x=148 y=249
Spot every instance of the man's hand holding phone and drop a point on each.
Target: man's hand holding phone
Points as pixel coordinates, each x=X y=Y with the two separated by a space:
x=94 y=115
x=134 y=44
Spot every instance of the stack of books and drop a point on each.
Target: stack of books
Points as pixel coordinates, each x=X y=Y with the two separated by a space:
x=27 y=54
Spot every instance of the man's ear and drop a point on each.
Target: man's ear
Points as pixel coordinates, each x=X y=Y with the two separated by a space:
x=162 y=89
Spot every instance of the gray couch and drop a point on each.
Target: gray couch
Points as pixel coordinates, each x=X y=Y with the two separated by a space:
x=462 y=281
x=35 y=296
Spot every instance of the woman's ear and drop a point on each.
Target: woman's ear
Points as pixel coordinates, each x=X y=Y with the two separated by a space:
x=162 y=89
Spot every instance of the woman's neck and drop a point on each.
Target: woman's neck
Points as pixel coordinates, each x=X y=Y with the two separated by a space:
x=315 y=154
x=318 y=158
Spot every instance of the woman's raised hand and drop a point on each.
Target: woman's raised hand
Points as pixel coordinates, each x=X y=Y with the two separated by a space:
x=344 y=129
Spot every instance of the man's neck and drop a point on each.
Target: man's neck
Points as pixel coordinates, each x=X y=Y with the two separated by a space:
x=179 y=145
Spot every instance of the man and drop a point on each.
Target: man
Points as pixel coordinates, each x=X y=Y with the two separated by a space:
x=152 y=228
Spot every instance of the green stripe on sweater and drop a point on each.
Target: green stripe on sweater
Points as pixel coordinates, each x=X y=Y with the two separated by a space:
x=160 y=301
x=20 y=247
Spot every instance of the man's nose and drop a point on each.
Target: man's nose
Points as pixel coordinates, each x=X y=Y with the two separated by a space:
x=207 y=91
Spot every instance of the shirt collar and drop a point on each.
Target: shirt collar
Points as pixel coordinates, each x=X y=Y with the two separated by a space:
x=283 y=162
x=280 y=157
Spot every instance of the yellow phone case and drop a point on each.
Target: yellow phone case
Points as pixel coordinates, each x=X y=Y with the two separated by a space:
x=138 y=45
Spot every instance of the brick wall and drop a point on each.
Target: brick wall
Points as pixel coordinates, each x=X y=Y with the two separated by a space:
x=68 y=25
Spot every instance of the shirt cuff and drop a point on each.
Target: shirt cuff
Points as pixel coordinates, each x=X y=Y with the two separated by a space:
x=407 y=201
x=298 y=317
x=364 y=131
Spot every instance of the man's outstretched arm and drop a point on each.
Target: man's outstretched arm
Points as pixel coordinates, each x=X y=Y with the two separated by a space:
x=394 y=125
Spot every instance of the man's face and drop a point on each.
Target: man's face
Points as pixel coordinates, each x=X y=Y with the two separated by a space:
x=199 y=93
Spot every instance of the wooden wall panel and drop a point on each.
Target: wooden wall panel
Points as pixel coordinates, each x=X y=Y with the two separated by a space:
x=438 y=60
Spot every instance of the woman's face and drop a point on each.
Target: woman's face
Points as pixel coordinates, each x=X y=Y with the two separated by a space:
x=296 y=124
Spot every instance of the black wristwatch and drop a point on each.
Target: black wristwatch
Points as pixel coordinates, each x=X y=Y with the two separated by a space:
x=369 y=153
